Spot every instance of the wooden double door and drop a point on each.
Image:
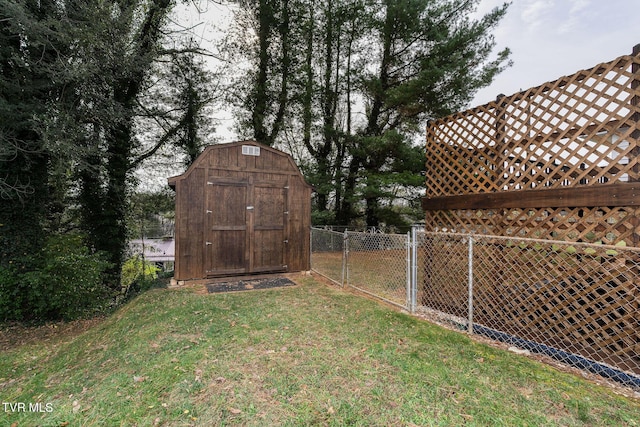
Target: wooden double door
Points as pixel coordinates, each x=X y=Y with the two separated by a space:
x=246 y=226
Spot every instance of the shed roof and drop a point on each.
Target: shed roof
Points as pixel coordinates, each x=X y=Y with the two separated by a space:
x=197 y=163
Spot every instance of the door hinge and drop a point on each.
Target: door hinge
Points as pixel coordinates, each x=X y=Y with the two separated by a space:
x=249 y=208
x=286 y=241
x=286 y=187
x=208 y=211
x=208 y=243
x=286 y=212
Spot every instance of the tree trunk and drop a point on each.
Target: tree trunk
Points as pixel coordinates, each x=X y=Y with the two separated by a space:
x=107 y=218
x=265 y=17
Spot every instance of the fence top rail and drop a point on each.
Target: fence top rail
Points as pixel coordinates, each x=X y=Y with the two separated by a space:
x=337 y=233
x=362 y=233
x=530 y=240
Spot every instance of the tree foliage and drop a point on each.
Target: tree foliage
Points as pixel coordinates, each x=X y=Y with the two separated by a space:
x=350 y=83
x=67 y=283
x=24 y=159
x=178 y=104
x=73 y=74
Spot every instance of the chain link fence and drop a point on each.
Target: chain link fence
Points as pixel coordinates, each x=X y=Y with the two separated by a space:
x=372 y=262
x=576 y=302
x=328 y=254
x=378 y=264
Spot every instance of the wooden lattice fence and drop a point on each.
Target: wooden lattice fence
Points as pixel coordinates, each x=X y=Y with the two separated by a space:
x=557 y=161
x=560 y=162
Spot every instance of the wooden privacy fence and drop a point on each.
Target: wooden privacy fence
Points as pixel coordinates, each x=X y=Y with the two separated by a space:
x=555 y=162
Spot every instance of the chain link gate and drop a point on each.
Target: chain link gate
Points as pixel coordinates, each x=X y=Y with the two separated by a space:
x=379 y=264
x=328 y=254
x=375 y=263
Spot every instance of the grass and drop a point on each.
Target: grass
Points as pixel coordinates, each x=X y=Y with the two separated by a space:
x=329 y=264
x=309 y=355
x=381 y=272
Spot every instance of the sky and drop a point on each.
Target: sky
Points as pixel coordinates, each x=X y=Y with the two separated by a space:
x=550 y=39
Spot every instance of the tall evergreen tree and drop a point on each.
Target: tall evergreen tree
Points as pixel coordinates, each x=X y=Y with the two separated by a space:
x=28 y=50
x=118 y=43
x=432 y=60
x=72 y=73
x=72 y=78
x=180 y=106
x=362 y=77
x=263 y=94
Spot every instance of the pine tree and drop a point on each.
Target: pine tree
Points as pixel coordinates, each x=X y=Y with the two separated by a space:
x=430 y=60
x=353 y=82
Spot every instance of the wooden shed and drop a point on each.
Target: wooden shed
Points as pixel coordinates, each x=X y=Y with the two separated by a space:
x=241 y=208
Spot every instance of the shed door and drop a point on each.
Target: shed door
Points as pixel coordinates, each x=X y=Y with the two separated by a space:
x=246 y=227
x=269 y=223
x=226 y=216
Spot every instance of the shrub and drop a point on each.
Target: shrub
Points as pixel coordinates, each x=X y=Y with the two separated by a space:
x=65 y=283
x=10 y=294
x=138 y=275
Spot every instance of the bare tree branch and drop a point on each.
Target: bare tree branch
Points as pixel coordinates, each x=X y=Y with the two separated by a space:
x=196 y=50
x=161 y=142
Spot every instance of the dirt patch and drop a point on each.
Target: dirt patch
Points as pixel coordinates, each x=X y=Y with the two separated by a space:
x=16 y=335
x=246 y=285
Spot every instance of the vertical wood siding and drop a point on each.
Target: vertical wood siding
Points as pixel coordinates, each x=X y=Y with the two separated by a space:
x=238 y=214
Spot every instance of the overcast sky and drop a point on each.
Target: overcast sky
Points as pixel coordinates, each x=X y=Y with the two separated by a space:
x=554 y=38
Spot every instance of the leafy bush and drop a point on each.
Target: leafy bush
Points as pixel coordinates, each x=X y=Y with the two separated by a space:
x=323 y=217
x=66 y=283
x=138 y=275
x=10 y=294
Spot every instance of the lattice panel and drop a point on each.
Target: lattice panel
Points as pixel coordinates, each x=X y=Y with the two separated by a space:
x=466 y=159
x=578 y=298
x=583 y=300
x=577 y=130
x=609 y=226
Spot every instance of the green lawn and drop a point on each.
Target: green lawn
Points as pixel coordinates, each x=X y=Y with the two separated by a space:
x=308 y=355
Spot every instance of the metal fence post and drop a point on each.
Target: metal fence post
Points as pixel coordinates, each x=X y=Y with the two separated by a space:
x=311 y=249
x=345 y=255
x=470 y=299
x=409 y=272
x=414 y=269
